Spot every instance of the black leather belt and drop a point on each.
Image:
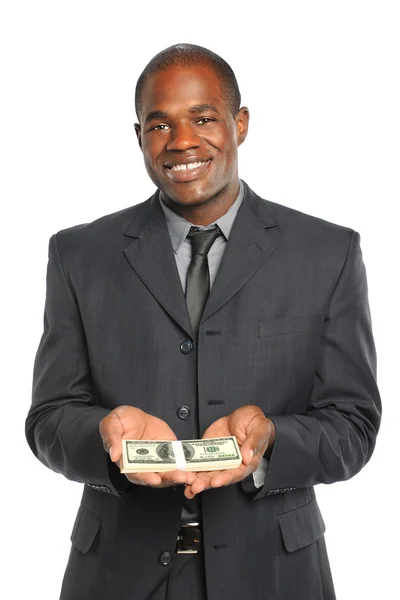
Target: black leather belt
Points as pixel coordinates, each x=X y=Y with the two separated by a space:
x=189 y=539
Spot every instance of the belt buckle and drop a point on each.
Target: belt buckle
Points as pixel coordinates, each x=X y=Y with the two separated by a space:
x=188 y=539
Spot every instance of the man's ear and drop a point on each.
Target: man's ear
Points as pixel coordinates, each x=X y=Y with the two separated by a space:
x=242 y=124
x=138 y=134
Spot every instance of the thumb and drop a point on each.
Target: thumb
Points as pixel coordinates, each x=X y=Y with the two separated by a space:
x=115 y=449
x=111 y=431
x=250 y=447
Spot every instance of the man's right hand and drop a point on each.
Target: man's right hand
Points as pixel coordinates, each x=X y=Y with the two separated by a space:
x=131 y=423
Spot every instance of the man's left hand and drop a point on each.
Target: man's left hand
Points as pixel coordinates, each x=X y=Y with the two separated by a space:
x=254 y=433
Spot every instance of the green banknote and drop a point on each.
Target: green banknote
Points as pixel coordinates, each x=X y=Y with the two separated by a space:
x=186 y=455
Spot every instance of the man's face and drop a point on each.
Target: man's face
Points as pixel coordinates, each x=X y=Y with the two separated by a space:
x=188 y=134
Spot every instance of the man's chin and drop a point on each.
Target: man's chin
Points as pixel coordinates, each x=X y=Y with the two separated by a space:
x=185 y=194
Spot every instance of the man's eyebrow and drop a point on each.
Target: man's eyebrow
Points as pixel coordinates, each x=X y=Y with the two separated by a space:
x=156 y=114
x=195 y=109
x=198 y=108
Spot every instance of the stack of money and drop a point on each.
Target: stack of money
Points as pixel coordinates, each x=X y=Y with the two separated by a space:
x=156 y=456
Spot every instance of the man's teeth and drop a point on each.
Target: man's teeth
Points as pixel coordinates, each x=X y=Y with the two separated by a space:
x=188 y=166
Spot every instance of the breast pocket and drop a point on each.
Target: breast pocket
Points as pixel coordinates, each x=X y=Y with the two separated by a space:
x=290 y=325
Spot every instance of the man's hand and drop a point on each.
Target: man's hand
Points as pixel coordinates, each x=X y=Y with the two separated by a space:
x=130 y=423
x=254 y=433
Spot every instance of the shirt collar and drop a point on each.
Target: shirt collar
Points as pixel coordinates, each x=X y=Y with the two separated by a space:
x=178 y=227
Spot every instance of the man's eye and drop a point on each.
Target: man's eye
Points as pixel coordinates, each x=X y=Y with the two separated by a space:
x=160 y=127
x=205 y=120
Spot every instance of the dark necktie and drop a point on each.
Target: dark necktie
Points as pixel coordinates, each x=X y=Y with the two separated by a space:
x=198 y=278
x=197 y=291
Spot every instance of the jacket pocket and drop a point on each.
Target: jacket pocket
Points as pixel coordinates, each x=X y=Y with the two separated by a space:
x=302 y=526
x=284 y=325
x=85 y=530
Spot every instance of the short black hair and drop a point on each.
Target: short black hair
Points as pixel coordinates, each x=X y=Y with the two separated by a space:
x=187 y=55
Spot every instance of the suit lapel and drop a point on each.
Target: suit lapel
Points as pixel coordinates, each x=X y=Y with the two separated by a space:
x=152 y=257
x=253 y=238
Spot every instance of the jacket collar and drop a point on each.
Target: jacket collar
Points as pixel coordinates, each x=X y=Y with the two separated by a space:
x=144 y=212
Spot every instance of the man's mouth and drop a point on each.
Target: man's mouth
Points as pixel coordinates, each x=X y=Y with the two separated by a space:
x=189 y=166
x=187 y=171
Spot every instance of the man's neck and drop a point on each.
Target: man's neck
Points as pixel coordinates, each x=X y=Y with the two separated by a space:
x=207 y=212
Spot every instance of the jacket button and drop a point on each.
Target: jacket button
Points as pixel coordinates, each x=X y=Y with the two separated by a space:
x=165 y=558
x=183 y=412
x=186 y=347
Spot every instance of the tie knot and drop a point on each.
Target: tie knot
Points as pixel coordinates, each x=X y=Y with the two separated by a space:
x=203 y=239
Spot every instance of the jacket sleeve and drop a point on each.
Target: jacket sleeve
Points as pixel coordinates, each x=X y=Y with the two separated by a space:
x=336 y=436
x=62 y=426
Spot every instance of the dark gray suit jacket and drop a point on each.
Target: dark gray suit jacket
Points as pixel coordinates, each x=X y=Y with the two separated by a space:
x=286 y=327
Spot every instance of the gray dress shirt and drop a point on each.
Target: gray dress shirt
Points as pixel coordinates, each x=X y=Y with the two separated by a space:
x=178 y=228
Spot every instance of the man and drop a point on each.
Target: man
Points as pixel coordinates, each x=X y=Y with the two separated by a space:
x=204 y=311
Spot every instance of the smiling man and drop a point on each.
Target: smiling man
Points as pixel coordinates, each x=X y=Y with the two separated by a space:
x=190 y=140
x=204 y=311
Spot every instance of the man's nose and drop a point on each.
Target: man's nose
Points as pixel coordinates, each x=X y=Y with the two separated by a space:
x=183 y=137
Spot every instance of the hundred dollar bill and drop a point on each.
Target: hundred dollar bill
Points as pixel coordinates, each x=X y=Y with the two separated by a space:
x=187 y=455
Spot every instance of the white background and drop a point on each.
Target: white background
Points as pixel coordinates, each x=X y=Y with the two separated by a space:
x=321 y=80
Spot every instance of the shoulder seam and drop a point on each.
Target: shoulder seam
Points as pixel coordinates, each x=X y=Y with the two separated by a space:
x=66 y=279
x=353 y=235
